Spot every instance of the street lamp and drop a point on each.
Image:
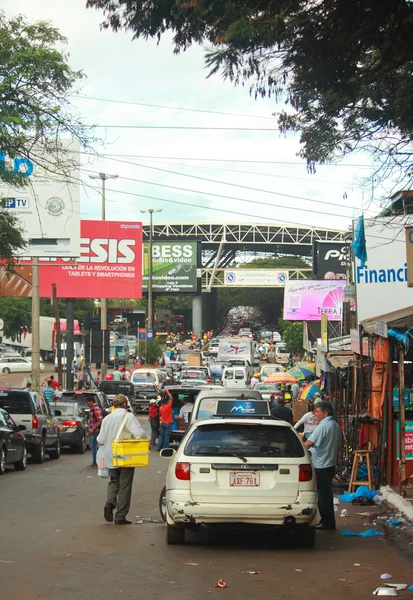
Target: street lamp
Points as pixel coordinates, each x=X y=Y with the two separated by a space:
x=103 y=301
x=150 y=298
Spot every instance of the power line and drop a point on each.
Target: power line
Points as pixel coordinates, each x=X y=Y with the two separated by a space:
x=231 y=185
x=264 y=162
x=187 y=128
x=196 y=110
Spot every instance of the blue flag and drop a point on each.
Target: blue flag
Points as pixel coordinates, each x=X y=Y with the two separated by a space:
x=359 y=244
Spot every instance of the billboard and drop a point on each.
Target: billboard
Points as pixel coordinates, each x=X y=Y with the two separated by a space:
x=110 y=264
x=174 y=267
x=48 y=207
x=17 y=284
x=255 y=277
x=330 y=260
x=382 y=284
x=308 y=300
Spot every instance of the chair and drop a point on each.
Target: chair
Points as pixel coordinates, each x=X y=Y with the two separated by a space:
x=360 y=455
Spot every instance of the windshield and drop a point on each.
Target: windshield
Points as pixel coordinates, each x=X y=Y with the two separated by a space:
x=81 y=398
x=248 y=440
x=267 y=387
x=144 y=378
x=193 y=375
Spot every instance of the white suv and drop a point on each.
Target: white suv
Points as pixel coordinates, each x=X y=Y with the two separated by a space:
x=240 y=470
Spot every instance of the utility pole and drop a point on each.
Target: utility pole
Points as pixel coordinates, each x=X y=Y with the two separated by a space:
x=35 y=325
x=103 y=301
x=150 y=295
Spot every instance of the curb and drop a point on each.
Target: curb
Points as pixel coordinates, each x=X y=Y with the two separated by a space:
x=397 y=501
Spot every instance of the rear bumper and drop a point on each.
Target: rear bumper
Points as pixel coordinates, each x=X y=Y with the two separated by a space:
x=184 y=510
x=32 y=439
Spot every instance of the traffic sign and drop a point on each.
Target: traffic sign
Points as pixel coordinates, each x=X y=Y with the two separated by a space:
x=149 y=334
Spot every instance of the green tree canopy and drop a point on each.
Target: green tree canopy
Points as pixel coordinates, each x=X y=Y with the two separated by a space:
x=293 y=337
x=345 y=68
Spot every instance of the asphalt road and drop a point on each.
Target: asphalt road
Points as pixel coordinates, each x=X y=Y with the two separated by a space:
x=55 y=545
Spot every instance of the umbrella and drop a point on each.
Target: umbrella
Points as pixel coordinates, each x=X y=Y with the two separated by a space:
x=311 y=389
x=281 y=378
x=300 y=373
x=306 y=365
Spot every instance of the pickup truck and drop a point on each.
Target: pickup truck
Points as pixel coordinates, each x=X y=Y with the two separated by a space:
x=41 y=431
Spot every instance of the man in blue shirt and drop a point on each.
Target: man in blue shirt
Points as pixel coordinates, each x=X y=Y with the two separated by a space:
x=324 y=443
x=48 y=391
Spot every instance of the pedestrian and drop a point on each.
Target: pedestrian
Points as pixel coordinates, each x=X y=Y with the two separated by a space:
x=121 y=478
x=295 y=388
x=98 y=378
x=165 y=417
x=287 y=394
x=323 y=444
x=185 y=412
x=117 y=375
x=153 y=413
x=58 y=393
x=282 y=412
x=48 y=391
x=254 y=380
x=308 y=421
x=95 y=422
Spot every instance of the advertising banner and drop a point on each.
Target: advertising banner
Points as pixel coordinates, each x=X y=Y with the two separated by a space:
x=308 y=300
x=255 y=277
x=382 y=284
x=48 y=207
x=110 y=264
x=408 y=440
x=174 y=267
x=330 y=260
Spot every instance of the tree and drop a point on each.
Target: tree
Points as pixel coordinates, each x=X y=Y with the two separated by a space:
x=35 y=84
x=16 y=314
x=293 y=337
x=345 y=69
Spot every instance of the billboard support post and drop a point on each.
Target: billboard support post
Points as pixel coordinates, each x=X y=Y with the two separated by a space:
x=197 y=316
x=150 y=265
x=35 y=325
x=70 y=342
x=58 y=335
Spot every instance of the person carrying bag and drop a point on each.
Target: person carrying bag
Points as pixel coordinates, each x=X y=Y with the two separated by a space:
x=118 y=426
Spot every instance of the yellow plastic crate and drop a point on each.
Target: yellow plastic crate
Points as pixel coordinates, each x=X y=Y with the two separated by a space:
x=130 y=453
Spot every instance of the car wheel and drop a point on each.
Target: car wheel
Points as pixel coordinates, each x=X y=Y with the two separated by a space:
x=55 y=452
x=2 y=461
x=38 y=452
x=174 y=535
x=306 y=536
x=22 y=463
x=6 y=371
x=162 y=504
x=81 y=448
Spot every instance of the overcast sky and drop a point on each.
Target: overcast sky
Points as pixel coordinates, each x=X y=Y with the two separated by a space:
x=118 y=68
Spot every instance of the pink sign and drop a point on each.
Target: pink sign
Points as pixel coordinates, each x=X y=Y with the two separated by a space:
x=307 y=300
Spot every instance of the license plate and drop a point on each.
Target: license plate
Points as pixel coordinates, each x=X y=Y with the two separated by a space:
x=244 y=479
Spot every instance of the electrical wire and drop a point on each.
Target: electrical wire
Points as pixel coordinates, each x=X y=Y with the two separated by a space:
x=187 y=128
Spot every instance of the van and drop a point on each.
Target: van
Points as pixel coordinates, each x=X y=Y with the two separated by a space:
x=235 y=377
x=147 y=383
x=281 y=354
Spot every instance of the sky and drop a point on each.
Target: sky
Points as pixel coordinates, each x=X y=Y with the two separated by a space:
x=192 y=175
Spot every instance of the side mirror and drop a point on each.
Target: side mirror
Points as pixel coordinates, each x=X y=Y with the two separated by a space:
x=22 y=427
x=167 y=452
x=57 y=413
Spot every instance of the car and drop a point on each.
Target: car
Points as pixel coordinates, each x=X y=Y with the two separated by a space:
x=112 y=388
x=73 y=422
x=180 y=395
x=13 y=445
x=147 y=383
x=213 y=347
x=269 y=391
x=216 y=369
x=269 y=369
x=16 y=364
x=81 y=396
x=240 y=470
x=192 y=374
x=281 y=354
x=30 y=410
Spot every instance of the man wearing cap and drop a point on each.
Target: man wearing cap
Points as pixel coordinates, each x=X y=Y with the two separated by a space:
x=324 y=443
x=121 y=478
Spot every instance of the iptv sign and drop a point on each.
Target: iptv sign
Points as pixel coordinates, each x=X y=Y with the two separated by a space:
x=13 y=203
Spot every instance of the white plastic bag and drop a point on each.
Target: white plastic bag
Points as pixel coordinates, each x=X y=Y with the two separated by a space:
x=102 y=470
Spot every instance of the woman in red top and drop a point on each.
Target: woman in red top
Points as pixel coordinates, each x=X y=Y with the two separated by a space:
x=165 y=414
x=153 y=413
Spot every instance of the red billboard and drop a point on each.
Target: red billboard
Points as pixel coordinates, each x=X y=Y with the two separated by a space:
x=110 y=264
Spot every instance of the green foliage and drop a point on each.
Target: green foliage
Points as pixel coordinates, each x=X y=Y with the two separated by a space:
x=345 y=68
x=153 y=349
x=16 y=314
x=35 y=84
x=293 y=337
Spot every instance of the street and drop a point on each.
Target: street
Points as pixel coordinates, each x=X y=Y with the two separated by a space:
x=55 y=545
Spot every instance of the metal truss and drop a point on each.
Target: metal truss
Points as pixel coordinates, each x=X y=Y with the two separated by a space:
x=215 y=277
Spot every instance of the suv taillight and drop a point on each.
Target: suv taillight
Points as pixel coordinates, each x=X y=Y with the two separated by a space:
x=305 y=473
x=183 y=471
x=35 y=422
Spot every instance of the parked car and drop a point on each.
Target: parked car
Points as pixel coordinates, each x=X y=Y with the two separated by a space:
x=16 y=364
x=73 y=422
x=42 y=432
x=240 y=470
x=81 y=396
x=13 y=445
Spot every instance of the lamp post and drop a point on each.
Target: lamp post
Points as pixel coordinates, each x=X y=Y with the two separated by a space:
x=150 y=295
x=103 y=301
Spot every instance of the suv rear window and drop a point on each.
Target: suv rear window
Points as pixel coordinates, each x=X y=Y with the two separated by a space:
x=69 y=397
x=16 y=403
x=247 y=440
x=144 y=378
x=116 y=387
